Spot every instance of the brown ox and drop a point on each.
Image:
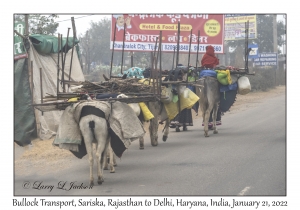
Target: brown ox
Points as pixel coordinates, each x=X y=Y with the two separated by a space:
x=209 y=96
x=158 y=110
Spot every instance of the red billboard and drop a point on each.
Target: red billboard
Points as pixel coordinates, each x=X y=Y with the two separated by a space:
x=141 y=32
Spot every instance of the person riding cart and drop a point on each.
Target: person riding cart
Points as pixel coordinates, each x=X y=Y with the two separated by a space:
x=210 y=61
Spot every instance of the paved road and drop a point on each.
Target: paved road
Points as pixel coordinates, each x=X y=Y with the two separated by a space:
x=247 y=157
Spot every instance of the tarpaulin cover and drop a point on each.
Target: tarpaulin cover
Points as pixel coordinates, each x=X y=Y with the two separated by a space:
x=49 y=121
x=43 y=54
x=24 y=120
x=46 y=44
x=125 y=127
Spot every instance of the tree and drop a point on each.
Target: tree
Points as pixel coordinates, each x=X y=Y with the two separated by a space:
x=40 y=24
x=95 y=43
x=264 y=35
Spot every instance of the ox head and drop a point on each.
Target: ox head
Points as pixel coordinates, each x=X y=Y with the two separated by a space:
x=186 y=72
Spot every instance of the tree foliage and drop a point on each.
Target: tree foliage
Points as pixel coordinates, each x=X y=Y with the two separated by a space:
x=264 y=35
x=40 y=24
x=95 y=45
x=98 y=39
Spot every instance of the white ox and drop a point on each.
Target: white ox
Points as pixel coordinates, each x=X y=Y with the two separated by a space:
x=94 y=129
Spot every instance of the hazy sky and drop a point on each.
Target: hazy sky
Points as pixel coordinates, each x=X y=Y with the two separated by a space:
x=82 y=23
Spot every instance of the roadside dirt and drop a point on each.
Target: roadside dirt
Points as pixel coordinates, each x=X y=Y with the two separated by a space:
x=45 y=158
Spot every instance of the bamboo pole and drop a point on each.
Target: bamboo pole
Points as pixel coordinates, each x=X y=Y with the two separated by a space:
x=189 y=55
x=74 y=36
x=57 y=87
x=63 y=69
x=123 y=48
x=156 y=72
x=160 y=67
x=177 y=61
x=112 y=54
x=247 y=38
x=155 y=46
x=31 y=79
x=158 y=47
x=178 y=36
x=41 y=85
x=173 y=58
x=198 y=49
x=245 y=50
x=154 y=60
x=62 y=58
x=19 y=34
x=151 y=72
x=29 y=62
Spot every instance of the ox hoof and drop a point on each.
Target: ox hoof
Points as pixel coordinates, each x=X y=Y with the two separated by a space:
x=215 y=132
x=177 y=129
x=91 y=183
x=154 y=144
x=113 y=171
x=100 y=180
x=141 y=147
x=185 y=128
x=165 y=138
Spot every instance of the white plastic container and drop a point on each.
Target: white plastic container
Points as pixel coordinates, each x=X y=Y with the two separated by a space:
x=244 y=86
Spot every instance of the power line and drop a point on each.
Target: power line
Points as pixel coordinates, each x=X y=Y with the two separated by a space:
x=74 y=18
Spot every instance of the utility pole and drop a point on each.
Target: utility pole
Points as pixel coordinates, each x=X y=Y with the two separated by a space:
x=275 y=43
